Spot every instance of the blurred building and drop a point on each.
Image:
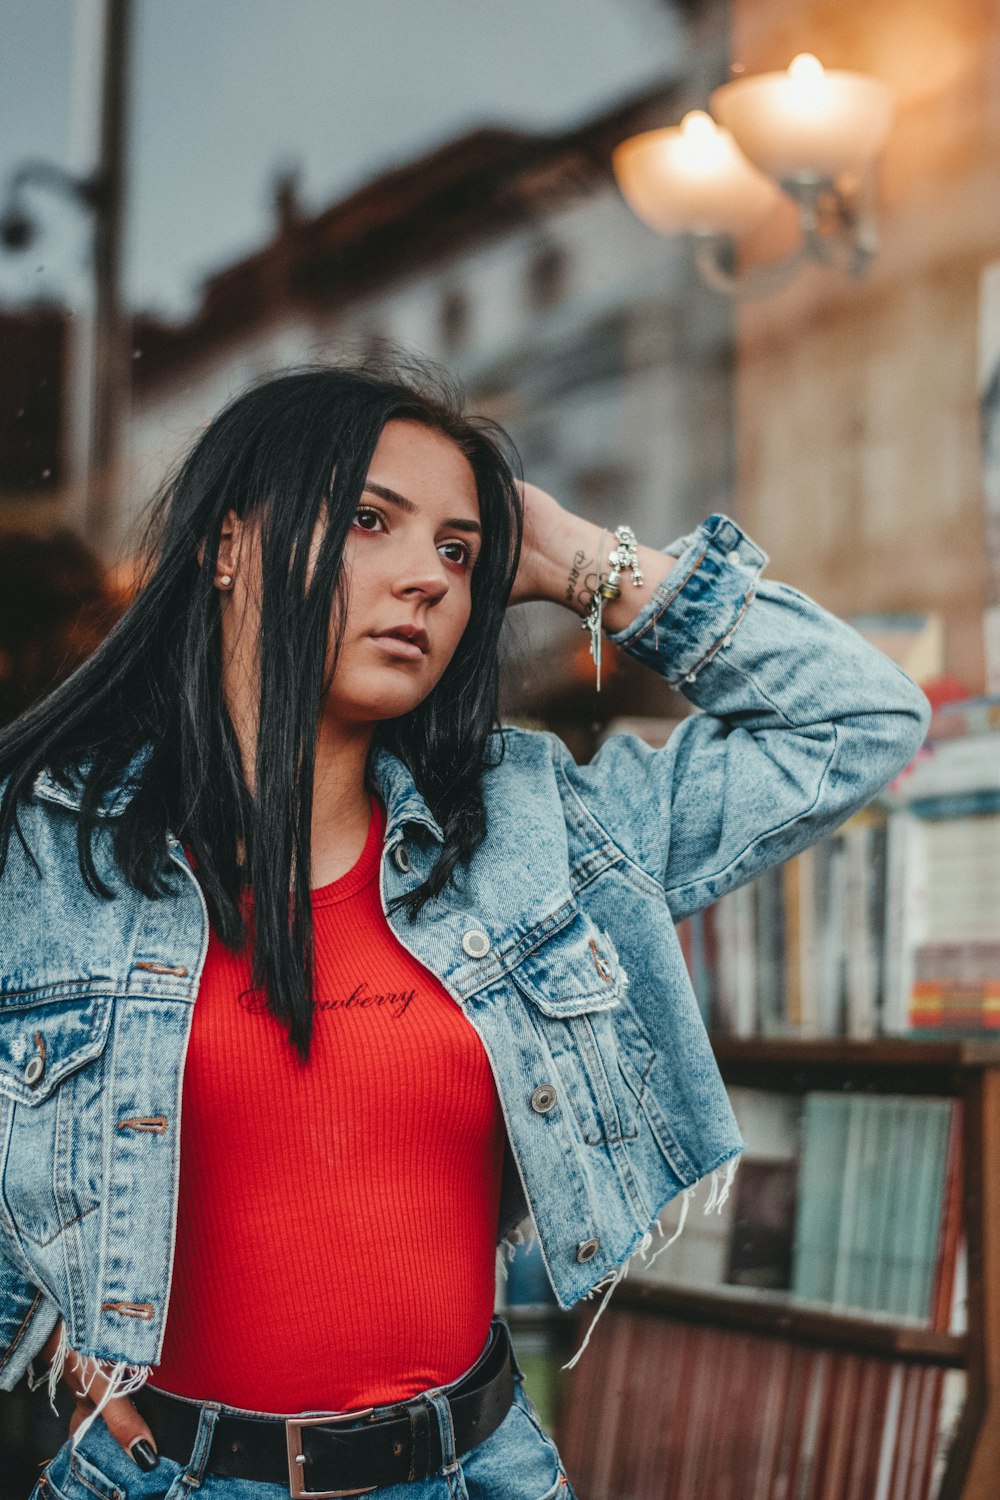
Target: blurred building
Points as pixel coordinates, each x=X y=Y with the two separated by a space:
x=837 y=419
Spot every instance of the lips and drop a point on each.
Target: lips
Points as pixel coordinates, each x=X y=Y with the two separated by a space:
x=411 y=634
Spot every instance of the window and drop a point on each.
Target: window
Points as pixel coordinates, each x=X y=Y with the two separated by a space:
x=454 y=318
x=547 y=276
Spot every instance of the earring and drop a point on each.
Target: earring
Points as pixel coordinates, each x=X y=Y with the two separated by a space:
x=225 y=581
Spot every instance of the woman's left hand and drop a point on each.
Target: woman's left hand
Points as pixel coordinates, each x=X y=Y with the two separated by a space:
x=551 y=538
x=87 y=1384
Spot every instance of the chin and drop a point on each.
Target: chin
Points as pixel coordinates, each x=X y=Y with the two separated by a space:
x=377 y=700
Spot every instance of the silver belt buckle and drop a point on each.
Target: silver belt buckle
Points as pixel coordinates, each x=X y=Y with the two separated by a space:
x=297 y=1459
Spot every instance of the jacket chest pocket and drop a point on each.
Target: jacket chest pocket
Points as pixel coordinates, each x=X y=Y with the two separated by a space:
x=575 y=989
x=51 y=1067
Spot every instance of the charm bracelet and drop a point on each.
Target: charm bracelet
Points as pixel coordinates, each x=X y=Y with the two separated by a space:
x=624 y=558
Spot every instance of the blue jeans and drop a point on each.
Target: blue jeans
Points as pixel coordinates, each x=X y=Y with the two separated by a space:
x=516 y=1462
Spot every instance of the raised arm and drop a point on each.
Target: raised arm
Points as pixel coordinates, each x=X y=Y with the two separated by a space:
x=802 y=723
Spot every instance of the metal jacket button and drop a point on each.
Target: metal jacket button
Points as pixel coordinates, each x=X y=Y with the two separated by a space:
x=543 y=1098
x=401 y=859
x=587 y=1249
x=34 y=1071
x=476 y=943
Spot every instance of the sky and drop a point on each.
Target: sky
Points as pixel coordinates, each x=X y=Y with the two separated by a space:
x=223 y=93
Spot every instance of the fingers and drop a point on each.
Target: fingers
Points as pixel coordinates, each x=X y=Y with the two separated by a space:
x=120 y=1416
x=127 y=1428
x=48 y=1352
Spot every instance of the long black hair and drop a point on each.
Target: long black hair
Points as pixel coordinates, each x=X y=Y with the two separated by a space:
x=288 y=450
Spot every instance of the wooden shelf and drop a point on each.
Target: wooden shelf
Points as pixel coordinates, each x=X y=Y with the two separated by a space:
x=963 y=1067
x=777 y=1317
x=895 y=1065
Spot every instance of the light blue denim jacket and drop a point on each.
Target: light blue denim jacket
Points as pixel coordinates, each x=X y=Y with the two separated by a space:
x=559 y=945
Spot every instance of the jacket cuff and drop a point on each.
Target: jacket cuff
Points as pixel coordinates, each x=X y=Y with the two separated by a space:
x=695 y=609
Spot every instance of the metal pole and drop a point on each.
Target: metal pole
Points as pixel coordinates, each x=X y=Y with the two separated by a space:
x=110 y=362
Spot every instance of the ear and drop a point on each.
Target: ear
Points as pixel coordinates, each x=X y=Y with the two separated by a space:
x=229 y=547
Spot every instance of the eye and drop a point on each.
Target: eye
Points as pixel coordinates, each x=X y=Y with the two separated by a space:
x=367 y=518
x=458 y=553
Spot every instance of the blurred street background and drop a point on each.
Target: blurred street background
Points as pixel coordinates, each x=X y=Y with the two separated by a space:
x=194 y=193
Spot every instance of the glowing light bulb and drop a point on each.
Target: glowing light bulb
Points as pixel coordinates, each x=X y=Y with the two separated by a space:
x=807 y=84
x=701 y=146
x=697 y=125
x=691 y=177
x=805 y=69
x=807 y=123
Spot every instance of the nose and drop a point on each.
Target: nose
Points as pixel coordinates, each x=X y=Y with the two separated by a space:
x=424 y=576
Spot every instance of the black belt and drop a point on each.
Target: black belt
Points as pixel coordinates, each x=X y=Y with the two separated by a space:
x=323 y=1455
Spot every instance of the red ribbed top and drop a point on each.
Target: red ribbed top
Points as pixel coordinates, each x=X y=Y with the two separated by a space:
x=336 y=1223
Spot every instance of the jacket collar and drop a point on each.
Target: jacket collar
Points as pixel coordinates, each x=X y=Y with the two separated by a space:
x=70 y=794
x=403 y=803
x=404 y=806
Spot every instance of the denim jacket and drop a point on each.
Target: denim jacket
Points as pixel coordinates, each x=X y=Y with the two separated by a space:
x=558 y=942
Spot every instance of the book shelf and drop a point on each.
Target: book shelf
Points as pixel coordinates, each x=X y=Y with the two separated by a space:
x=833 y=1333
x=782 y=1339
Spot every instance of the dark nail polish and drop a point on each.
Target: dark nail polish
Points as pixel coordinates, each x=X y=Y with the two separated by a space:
x=144 y=1454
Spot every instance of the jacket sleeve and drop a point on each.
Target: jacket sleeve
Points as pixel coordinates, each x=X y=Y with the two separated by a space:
x=27 y=1317
x=802 y=723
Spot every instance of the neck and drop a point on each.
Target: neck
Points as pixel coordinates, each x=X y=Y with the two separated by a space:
x=341 y=806
x=341 y=758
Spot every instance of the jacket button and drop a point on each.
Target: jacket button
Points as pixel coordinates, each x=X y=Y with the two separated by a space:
x=401 y=859
x=34 y=1071
x=587 y=1249
x=476 y=943
x=543 y=1098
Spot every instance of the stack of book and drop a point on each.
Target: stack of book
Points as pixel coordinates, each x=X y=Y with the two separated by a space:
x=966 y=716
x=660 y=1409
x=849 y=1200
x=800 y=950
x=879 y=1206
x=943 y=890
x=890 y=925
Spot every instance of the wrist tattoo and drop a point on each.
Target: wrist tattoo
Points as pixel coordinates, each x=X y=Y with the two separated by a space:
x=574 y=576
x=587 y=590
x=583 y=582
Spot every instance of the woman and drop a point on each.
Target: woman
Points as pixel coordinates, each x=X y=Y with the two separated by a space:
x=437 y=980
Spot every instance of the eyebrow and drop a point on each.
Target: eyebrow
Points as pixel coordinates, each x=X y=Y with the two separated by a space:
x=458 y=523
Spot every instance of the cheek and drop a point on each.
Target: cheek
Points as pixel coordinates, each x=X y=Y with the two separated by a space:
x=457 y=622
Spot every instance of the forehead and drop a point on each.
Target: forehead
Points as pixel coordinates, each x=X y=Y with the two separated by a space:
x=425 y=466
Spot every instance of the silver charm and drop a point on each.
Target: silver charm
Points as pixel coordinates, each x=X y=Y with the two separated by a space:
x=592 y=622
x=623 y=557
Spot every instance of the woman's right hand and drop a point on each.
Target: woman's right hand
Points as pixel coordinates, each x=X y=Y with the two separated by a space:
x=119 y=1415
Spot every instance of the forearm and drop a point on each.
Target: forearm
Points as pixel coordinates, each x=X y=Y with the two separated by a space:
x=571 y=558
x=796 y=665
x=802 y=723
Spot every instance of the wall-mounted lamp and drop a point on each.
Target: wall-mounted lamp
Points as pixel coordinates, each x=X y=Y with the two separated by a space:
x=809 y=133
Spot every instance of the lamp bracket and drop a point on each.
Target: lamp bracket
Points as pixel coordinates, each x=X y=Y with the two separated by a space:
x=837 y=229
x=18 y=226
